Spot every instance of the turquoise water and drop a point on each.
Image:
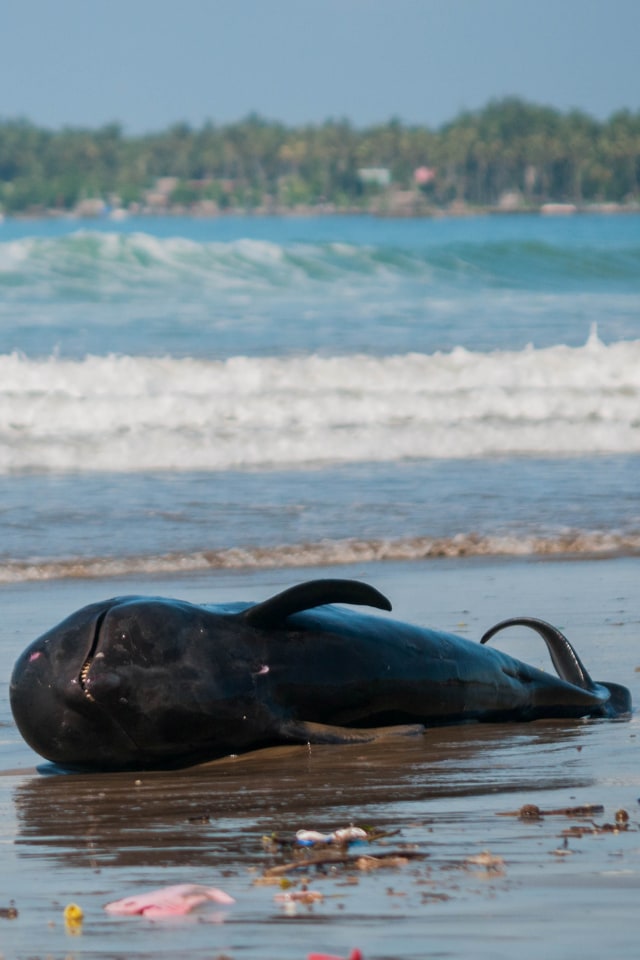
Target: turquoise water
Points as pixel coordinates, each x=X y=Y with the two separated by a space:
x=333 y=285
x=179 y=393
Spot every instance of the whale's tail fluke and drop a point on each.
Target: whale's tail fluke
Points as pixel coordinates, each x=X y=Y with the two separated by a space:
x=619 y=704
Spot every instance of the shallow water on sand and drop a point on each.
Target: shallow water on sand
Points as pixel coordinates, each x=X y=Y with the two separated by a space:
x=444 y=798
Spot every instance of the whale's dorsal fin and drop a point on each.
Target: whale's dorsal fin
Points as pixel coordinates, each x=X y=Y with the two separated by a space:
x=563 y=656
x=313 y=593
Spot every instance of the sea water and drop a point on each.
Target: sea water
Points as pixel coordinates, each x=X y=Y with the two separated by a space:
x=180 y=394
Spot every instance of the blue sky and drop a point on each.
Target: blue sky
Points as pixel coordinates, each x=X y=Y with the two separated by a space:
x=150 y=63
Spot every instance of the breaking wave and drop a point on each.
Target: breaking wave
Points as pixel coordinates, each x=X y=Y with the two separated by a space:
x=95 y=264
x=131 y=414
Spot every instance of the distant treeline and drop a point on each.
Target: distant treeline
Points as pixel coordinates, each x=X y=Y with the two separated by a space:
x=533 y=153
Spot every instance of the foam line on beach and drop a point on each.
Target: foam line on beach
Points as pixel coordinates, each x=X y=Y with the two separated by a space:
x=326 y=553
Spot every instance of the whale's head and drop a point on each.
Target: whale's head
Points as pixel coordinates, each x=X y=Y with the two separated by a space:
x=135 y=682
x=141 y=682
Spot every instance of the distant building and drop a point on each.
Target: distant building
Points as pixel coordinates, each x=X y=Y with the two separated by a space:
x=90 y=207
x=423 y=175
x=378 y=176
x=166 y=185
x=510 y=200
x=158 y=197
x=558 y=209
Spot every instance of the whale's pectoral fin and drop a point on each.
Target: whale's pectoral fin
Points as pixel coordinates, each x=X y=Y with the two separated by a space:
x=563 y=656
x=610 y=699
x=299 y=731
x=314 y=593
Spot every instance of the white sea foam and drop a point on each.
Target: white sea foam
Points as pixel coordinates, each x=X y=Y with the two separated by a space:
x=325 y=553
x=123 y=413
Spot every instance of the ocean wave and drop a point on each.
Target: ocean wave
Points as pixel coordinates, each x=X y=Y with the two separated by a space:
x=132 y=414
x=327 y=553
x=94 y=264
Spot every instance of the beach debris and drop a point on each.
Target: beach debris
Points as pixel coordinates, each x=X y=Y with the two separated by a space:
x=200 y=818
x=345 y=835
x=291 y=900
x=307 y=838
x=354 y=955
x=586 y=811
x=341 y=837
x=393 y=858
x=621 y=825
x=530 y=811
x=73 y=917
x=299 y=896
x=487 y=860
x=168 y=901
x=10 y=912
x=564 y=850
x=315 y=848
x=367 y=863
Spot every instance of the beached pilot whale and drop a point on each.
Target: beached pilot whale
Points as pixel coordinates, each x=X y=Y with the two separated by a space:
x=142 y=682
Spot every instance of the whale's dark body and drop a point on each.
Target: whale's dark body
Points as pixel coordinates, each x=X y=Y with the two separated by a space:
x=139 y=682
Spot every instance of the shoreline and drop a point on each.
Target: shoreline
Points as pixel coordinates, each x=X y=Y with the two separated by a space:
x=392 y=211
x=436 y=590
x=570 y=548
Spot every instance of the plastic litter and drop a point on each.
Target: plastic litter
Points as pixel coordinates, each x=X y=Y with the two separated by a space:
x=308 y=838
x=168 y=901
x=73 y=917
x=354 y=955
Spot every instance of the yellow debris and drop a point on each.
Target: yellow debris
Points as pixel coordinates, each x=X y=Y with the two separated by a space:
x=73 y=917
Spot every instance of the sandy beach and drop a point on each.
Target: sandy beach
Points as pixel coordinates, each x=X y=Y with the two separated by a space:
x=565 y=882
x=217 y=409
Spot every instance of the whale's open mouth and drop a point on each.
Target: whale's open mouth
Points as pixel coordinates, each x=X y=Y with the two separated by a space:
x=67 y=707
x=91 y=655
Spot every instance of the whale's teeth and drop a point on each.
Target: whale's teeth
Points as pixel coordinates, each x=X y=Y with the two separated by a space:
x=84 y=673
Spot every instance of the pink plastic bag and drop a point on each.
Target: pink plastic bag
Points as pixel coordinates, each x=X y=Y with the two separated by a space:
x=168 y=901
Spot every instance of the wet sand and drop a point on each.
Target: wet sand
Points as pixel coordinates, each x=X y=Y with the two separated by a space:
x=563 y=883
